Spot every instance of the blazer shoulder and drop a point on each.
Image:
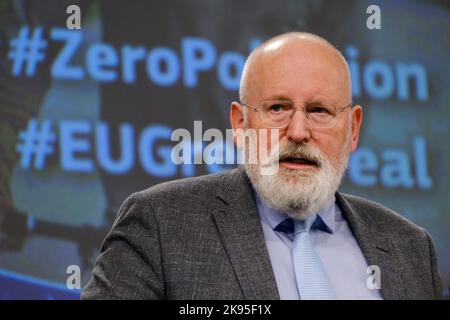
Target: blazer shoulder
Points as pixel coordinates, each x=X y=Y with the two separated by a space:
x=180 y=190
x=383 y=217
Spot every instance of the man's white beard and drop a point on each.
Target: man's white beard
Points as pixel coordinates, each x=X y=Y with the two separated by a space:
x=299 y=193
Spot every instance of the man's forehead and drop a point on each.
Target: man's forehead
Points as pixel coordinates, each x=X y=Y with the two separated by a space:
x=289 y=77
x=282 y=66
x=297 y=54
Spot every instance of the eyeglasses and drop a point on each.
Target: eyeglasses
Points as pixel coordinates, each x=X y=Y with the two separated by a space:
x=279 y=113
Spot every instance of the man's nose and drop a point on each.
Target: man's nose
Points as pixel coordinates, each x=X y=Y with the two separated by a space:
x=298 y=129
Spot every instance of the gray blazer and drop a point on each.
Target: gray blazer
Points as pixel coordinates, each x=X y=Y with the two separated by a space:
x=201 y=238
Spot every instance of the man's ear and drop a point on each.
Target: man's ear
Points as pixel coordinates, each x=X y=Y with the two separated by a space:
x=356 y=125
x=237 y=122
x=236 y=116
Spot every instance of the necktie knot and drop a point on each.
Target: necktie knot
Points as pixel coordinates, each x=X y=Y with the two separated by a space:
x=300 y=226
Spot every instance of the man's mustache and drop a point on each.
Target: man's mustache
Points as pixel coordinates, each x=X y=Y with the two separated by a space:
x=297 y=151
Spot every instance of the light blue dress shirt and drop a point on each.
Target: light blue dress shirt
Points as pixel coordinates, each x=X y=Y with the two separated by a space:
x=334 y=243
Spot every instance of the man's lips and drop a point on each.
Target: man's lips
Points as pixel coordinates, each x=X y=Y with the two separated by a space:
x=297 y=162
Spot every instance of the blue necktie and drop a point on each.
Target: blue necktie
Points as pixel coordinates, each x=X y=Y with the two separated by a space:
x=312 y=279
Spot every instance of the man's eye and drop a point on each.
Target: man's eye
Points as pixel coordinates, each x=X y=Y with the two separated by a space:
x=276 y=108
x=319 y=110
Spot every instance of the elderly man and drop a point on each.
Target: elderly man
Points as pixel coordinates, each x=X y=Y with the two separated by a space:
x=243 y=234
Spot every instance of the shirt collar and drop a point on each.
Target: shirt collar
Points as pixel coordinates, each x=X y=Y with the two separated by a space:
x=323 y=220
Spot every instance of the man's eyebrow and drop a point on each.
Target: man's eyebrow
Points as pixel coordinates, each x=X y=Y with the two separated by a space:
x=309 y=102
x=319 y=101
x=277 y=97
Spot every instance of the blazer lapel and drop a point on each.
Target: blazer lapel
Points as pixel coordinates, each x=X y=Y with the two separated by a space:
x=239 y=227
x=378 y=248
